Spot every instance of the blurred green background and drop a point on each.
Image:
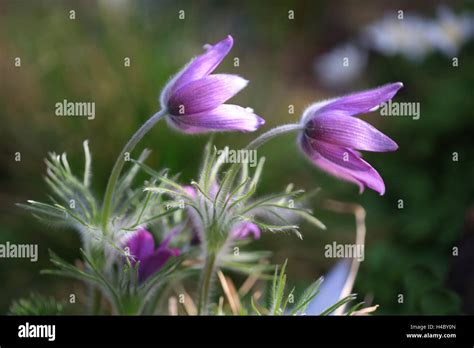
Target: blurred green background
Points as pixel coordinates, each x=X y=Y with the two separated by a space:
x=409 y=251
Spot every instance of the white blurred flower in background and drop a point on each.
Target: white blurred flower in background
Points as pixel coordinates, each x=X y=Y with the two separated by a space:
x=411 y=37
x=451 y=31
x=341 y=66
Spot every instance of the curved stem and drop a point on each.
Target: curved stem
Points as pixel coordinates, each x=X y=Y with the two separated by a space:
x=263 y=138
x=119 y=163
x=260 y=140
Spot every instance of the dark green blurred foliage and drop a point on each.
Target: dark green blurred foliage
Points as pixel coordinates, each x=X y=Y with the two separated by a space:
x=409 y=250
x=36 y=305
x=436 y=190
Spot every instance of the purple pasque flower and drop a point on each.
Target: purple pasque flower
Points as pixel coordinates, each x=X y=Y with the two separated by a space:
x=245 y=229
x=141 y=246
x=194 y=99
x=332 y=133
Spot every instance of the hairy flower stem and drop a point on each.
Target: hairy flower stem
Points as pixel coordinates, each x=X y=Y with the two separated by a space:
x=206 y=278
x=263 y=138
x=119 y=163
x=260 y=140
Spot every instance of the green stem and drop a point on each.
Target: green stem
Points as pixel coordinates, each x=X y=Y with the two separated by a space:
x=263 y=138
x=96 y=301
x=120 y=162
x=260 y=140
x=206 y=283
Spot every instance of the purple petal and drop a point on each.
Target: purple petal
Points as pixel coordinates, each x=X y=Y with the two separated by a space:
x=225 y=117
x=367 y=177
x=175 y=251
x=141 y=245
x=153 y=263
x=348 y=131
x=361 y=102
x=191 y=191
x=199 y=67
x=205 y=94
x=342 y=156
x=244 y=229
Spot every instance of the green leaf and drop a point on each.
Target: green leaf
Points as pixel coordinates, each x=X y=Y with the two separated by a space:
x=151 y=219
x=269 y=198
x=279 y=284
x=279 y=228
x=36 y=304
x=309 y=294
x=354 y=308
x=338 y=304
x=207 y=166
x=254 y=307
x=311 y=219
x=87 y=164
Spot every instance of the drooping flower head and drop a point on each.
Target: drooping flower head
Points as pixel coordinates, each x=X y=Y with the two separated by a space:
x=141 y=247
x=332 y=134
x=195 y=99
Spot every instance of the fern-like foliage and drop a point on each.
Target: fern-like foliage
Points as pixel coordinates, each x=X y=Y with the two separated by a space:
x=222 y=199
x=36 y=304
x=282 y=303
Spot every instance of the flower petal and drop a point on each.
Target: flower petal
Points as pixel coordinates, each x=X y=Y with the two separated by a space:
x=358 y=103
x=226 y=117
x=246 y=228
x=154 y=262
x=368 y=177
x=205 y=94
x=199 y=67
x=348 y=131
x=141 y=245
x=190 y=190
x=342 y=156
